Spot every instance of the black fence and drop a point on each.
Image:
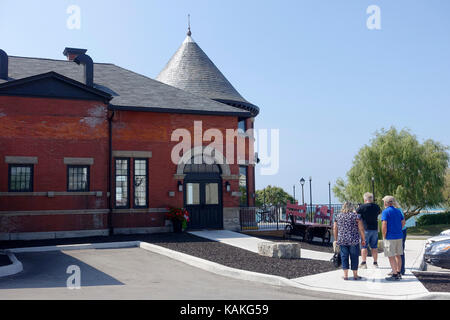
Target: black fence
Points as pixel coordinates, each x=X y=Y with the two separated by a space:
x=263 y=218
x=274 y=217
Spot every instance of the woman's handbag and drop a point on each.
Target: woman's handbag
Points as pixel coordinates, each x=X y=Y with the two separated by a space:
x=336 y=259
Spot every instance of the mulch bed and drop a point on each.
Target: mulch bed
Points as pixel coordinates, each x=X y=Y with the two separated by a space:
x=242 y=259
x=435 y=282
x=4 y=260
x=316 y=246
x=206 y=249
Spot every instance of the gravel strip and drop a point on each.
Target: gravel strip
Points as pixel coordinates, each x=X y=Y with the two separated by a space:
x=434 y=282
x=206 y=249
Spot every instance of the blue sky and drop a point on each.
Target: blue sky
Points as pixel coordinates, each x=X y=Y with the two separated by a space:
x=313 y=67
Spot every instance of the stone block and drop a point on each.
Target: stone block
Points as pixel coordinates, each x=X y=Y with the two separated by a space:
x=281 y=250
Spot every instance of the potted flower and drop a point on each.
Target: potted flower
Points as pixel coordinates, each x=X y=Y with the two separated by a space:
x=179 y=218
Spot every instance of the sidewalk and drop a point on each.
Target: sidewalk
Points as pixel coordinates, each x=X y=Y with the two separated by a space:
x=373 y=284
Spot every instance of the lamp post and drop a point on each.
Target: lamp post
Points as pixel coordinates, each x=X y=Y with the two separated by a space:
x=310 y=194
x=264 y=197
x=294 y=193
x=302 y=182
x=329 y=193
x=373 y=189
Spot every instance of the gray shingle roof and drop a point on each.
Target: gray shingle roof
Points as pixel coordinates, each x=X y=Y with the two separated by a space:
x=129 y=89
x=190 y=69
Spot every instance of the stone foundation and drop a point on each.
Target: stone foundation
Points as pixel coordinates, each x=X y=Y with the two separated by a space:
x=231 y=219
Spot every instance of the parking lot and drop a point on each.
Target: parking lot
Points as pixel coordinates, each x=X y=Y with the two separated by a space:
x=130 y=273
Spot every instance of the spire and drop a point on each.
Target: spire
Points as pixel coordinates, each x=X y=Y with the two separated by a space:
x=189 y=26
x=191 y=70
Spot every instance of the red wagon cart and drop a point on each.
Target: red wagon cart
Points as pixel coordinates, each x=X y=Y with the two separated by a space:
x=302 y=224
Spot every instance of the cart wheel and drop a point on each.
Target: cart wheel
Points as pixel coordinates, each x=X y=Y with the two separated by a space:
x=287 y=232
x=326 y=237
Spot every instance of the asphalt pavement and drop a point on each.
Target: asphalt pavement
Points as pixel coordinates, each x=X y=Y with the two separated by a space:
x=132 y=273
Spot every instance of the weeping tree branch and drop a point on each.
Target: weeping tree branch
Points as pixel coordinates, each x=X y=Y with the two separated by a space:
x=409 y=213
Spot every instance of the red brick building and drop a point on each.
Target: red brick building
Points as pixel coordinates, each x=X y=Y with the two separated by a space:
x=88 y=148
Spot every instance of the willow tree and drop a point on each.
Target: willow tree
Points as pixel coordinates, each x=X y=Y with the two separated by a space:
x=413 y=172
x=447 y=191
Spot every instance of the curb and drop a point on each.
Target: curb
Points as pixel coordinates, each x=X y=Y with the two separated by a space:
x=432 y=273
x=439 y=295
x=216 y=267
x=13 y=268
x=88 y=246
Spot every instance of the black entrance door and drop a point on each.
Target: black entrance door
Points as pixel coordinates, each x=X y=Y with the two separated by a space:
x=203 y=200
x=203 y=196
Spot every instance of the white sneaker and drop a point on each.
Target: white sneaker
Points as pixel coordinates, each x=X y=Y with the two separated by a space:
x=363 y=266
x=375 y=265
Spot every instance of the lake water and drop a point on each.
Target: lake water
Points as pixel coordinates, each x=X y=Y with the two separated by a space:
x=412 y=221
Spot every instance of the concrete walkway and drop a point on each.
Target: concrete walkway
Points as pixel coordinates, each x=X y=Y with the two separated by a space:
x=250 y=243
x=373 y=283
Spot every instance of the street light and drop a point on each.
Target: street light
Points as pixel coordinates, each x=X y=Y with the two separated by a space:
x=294 y=193
x=310 y=194
x=264 y=198
x=302 y=182
x=329 y=193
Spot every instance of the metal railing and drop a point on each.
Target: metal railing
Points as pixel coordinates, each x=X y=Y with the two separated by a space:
x=274 y=217
x=262 y=218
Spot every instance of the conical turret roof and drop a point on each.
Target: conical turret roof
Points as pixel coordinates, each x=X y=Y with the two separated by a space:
x=190 y=69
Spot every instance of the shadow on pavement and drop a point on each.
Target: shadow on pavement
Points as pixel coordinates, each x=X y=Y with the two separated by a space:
x=49 y=270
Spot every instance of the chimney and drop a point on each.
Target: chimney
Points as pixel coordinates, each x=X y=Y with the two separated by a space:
x=3 y=65
x=72 y=53
x=88 y=64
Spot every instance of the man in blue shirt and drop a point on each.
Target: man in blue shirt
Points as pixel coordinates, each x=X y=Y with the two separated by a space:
x=393 y=223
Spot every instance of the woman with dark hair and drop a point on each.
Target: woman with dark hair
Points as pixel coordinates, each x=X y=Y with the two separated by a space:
x=348 y=228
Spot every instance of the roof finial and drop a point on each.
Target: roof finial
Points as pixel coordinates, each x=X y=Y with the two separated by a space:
x=189 y=25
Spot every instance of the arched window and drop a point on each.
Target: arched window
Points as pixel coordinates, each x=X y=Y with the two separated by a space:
x=198 y=165
x=202 y=168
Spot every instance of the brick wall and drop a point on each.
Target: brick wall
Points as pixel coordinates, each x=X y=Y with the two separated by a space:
x=148 y=131
x=51 y=130
x=54 y=129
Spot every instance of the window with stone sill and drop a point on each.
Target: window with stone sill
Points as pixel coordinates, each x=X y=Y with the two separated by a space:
x=78 y=178
x=20 y=178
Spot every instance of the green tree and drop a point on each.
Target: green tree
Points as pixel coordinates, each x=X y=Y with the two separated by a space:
x=412 y=172
x=272 y=196
x=447 y=190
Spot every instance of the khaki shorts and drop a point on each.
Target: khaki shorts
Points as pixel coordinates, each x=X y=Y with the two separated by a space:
x=393 y=247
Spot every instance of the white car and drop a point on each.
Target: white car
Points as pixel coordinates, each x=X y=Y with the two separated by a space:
x=440 y=237
x=445 y=233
